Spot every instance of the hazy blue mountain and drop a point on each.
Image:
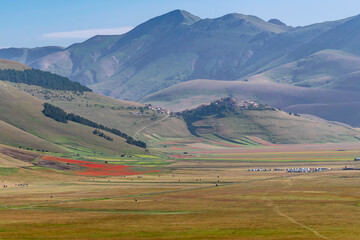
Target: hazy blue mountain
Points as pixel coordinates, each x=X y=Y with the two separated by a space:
x=344 y=36
x=161 y=52
x=178 y=46
x=332 y=69
x=277 y=22
x=28 y=55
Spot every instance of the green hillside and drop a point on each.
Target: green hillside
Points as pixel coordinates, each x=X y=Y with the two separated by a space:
x=24 y=125
x=132 y=118
x=193 y=93
x=147 y=124
x=225 y=119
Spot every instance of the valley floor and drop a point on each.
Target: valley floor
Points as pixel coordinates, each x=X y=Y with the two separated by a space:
x=191 y=199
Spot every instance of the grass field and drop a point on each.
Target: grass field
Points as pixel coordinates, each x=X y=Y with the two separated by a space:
x=23 y=124
x=123 y=115
x=192 y=198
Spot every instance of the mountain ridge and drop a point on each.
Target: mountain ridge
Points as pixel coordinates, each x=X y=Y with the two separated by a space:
x=179 y=47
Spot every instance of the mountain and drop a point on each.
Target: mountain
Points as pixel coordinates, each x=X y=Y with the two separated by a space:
x=178 y=47
x=344 y=37
x=332 y=69
x=28 y=55
x=277 y=22
x=161 y=52
x=174 y=48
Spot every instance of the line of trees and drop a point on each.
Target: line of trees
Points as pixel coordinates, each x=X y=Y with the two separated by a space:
x=101 y=134
x=60 y=115
x=43 y=79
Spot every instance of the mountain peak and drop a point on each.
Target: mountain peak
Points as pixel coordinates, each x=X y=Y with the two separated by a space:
x=276 y=21
x=181 y=16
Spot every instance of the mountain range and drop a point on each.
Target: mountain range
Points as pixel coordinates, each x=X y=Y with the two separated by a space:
x=320 y=62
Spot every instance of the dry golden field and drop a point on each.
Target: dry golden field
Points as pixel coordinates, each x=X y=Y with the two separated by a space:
x=186 y=199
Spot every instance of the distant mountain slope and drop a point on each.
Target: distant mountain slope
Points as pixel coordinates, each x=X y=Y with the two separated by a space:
x=327 y=69
x=27 y=55
x=177 y=47
x=344 y=37
x=163 y=51
x=341 y=112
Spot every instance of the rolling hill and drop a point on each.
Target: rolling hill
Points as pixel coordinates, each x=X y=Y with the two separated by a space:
x=152 y=126
x=129 y=117
x=194 y=93
x=232 y=120
x=23 y=124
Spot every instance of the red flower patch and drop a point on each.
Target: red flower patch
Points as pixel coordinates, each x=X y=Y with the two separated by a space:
x=179 y=156
x=98 y=169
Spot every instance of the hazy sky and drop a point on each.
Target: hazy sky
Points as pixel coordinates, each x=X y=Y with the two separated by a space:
x=32 y=23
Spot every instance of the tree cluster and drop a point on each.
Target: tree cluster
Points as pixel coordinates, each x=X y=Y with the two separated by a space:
x=101 y=134
x=55 y=113
x=42 y=79
x=60 y=115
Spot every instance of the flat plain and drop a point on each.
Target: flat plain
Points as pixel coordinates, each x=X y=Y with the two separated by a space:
x=210 y=195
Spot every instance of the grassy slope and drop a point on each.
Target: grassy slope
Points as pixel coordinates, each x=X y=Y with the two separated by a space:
x=13 y=136
x=194 y=93
x=23 y=111
x=275 y=127
x=201 y=91
x=111 y=112
x=7 y=64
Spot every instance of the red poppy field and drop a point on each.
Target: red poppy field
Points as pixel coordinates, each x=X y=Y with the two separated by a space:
x=97 y=169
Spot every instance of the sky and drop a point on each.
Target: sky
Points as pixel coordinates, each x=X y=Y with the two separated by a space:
x=37 y=23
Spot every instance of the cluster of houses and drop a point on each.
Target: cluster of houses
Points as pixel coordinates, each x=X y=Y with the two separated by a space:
x=247 y=103
x=292 y=170
x=159 y=110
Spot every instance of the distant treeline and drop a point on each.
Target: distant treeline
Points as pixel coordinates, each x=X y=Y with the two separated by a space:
x=60 y=115
x=42 y=79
